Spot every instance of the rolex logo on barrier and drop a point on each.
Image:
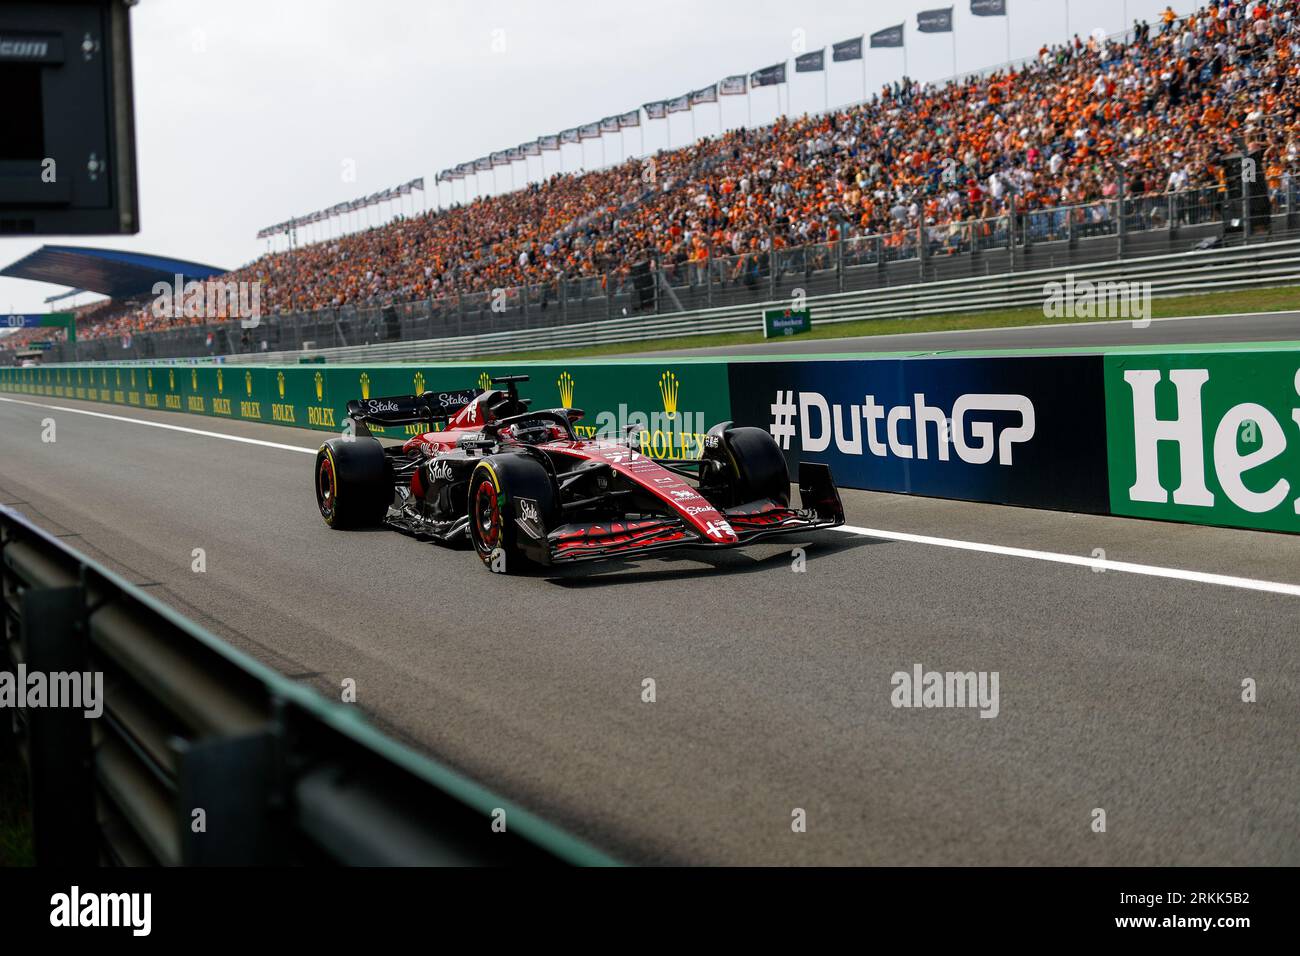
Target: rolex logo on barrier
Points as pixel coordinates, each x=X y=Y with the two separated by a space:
x=320 y=416
x=566 y=389
x=220 y=384
x=249 y=408
x=418 y=382
x=282 y=411
x=195 y=402
x=484 y=381
x=365 y=385
x=668 y=388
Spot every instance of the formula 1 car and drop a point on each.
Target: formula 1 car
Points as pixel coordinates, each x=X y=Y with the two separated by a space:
x=525 y=490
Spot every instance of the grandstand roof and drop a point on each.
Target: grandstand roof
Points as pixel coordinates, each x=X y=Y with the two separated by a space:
x=110 y=272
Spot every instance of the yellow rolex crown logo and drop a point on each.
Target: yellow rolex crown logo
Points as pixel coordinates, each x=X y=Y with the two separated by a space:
x=279 y=383
x=419 y=383
x=149 y=378
x=248 y=383
x=220 y=384
x=484 y=381
x=171 y=380
x=194 y=379
x=668 y=387
x=118 y=374
x=566 y=389
x=365 y=385
x=320 y=387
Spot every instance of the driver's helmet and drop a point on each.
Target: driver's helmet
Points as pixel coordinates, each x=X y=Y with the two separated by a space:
x=533 y=433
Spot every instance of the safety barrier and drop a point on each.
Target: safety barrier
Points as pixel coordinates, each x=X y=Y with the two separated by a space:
x=674 y=394
x=201 y=755
x=1217 y=427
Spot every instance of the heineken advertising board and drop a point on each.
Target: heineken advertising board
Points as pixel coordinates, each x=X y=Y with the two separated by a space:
x=1205 y=438
x=779 y=322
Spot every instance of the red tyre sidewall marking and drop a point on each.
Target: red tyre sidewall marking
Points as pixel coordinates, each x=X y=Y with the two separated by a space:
x=328 y=492
x=491 y=538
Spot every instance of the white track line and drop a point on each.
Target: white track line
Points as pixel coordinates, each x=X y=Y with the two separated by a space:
x=1101 y=564
x=173 y=428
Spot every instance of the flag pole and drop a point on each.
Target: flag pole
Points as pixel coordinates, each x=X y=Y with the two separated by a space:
x=1006 y=15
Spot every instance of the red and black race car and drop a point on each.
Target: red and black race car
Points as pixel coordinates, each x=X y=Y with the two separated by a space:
x=525 y=490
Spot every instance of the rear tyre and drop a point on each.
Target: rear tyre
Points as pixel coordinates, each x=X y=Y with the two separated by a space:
x=512 y=504
x=757 y=466
x=354 y=483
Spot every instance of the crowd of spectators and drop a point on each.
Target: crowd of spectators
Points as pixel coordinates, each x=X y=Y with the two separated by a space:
x=1160 y=109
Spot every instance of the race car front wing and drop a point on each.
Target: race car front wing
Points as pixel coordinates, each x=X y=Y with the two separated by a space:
x=821 y=508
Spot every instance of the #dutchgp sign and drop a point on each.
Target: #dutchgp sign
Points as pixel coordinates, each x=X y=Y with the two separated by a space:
x=778 y=322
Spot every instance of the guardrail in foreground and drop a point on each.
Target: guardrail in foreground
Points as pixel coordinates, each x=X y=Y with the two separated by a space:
x=282 y=776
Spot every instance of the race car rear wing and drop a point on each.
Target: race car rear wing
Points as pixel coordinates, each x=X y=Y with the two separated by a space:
x=408 y=409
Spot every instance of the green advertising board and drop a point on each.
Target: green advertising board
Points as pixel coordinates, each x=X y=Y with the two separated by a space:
x=778 y=322
x=1205 y=438
x=670 y=405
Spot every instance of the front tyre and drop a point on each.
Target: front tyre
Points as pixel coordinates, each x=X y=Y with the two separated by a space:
x=354 y=483
x=513 y=503
x=749 y=465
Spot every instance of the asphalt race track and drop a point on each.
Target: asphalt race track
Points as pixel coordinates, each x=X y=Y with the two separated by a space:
x=1119 y=689
x=1192 y=330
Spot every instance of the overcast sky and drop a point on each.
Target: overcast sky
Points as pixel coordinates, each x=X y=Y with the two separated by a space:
x=249 y=112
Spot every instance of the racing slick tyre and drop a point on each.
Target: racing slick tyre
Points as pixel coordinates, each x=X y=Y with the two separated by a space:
x=758 y=468
x=513 y=502
x=354 y=483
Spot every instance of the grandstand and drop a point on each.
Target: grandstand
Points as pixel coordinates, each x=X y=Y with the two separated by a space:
x=1095 y=137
